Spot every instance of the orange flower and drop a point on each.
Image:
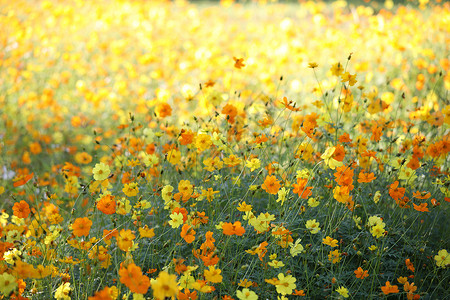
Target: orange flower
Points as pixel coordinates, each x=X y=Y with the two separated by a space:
x=339 y=153
x=230 y=111
x=409 y=265
x=230 y=229
x=188 y=233
x=308 y=128
x=163 y=110
x=388 y=288
x=301 y=189
x=238 y=63
x=395 y=192
x=421 y=195
x=360 y=273
x=107 y=205
x=21 y=209
x=81 y=226
x=35 y=148
x=422 y=207
x=366 y=177
x=345 y=138
x=109 y=234
x=289 y=105
x=377 y=132
x=22 y=179
x=187 y=295
x=344 y=176
x=271 y=185
x=299 y=293
x=133 y=279
x=104 y=294
x=187 y=137
x=413 y=163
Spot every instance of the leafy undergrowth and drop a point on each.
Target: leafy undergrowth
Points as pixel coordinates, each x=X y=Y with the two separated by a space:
x=152 y=149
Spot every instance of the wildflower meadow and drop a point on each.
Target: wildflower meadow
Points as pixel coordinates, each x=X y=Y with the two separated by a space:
x=224 y=149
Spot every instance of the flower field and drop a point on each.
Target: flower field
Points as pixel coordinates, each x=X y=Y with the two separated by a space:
x=224 y=150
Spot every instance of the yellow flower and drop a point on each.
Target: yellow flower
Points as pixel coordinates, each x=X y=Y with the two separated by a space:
x=330 y=242
x=377 y=196
x=442 y=258
x=130 y=189
x=166 y=193
x=374 y=220
x=329 y=161
x=213 y=275
x=212 y=164
x=262 y=222
x=246 y=294
x=342 y=291
x=313 y=226
x=377 y=231
x=282 y=193
x=276 y=264
x=146 y=232
x=174 y=156
x=348 y=77
x=286 y=284
x=244 y=207
x=313 y=202
x=63 y=291
x=296 y=248
x=101 y=171
x=253 y=164
x=402 y=280
x=337 y=69
x=312 y=65
x=176 y=219
x=203 y=142
x=165 y=285
x=8 y=283
x=334 y=256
